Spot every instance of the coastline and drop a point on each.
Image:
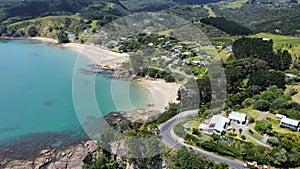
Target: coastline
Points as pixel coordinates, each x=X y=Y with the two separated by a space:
x=160 y=93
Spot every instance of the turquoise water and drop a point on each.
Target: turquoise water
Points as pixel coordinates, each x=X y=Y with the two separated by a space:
x=36 y=104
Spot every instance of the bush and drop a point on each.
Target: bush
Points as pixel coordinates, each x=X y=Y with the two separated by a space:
x=251 y=120
x=263 y=126
x=262 y=105
x=32 y=31
x=243 y=137
x=248 y=102
x=62 y=37
x=273 y=141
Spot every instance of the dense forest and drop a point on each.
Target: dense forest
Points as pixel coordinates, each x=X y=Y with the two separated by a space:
x=230 y=27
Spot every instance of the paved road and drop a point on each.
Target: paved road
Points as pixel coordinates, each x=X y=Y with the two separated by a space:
x=173 y=141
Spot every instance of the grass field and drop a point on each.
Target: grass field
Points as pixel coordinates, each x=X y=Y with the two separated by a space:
x=235 y=4
x=296 y=97
x=45 y=19
x=292 y=44
x=211 y=13
x=251 y=112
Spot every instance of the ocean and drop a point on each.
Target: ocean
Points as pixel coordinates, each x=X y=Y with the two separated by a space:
x=37 y=97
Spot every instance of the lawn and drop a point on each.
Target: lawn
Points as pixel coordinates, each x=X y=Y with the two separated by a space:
x=296 y=97
x=255 y=135
x=211 y=13
x=250 y=112
x=235 y=4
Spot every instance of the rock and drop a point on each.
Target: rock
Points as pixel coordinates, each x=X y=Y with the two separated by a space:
x=19 y=164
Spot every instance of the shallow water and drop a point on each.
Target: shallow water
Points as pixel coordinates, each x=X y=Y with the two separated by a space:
x=36 y=104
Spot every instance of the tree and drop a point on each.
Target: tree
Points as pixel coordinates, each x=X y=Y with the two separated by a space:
x=184 y=159
x=265 y=79
x=262 y=105
x=273 y=141
x=3 y=30
x=233 y=131
x=263 y=126
x=62 y=37
x=32 y=31
x=240 y=131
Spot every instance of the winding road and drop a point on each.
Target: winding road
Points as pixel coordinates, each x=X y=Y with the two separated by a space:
x=170 y=139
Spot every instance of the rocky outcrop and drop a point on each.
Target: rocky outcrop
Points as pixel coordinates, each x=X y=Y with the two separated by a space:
x=70 y=158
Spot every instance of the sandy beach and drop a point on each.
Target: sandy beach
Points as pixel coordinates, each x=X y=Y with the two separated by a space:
x=161 y=93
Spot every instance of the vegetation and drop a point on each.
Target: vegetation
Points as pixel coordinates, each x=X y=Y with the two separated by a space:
x=186 y=159
x=171 y=111
x=230 y=27
x=263 y=126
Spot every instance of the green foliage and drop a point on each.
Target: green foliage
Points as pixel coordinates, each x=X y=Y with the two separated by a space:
x=3 y=30
x=273 y=99
x=171 y=111
x=32 y=31
x=273 y=141
x=251 y=120
x=63 y=37
x=179 y=130
x=262 y=49
x=230 y=27
x=184 y=159
x=263 y=126
x=265 y=79
x=220 y=149
x=262 y=105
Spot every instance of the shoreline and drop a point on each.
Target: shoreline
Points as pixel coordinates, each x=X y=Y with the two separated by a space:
x=160 y=92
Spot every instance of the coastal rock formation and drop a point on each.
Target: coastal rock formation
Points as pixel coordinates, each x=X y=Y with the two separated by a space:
x=70 y=158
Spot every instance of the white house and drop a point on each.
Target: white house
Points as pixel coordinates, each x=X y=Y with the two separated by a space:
x=280 y=116
x=290 y=123
x=238 y=117
x=218 y=124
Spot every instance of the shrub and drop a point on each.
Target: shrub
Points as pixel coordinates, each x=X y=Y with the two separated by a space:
x=263 y=126
x=251 y=120
x=273 y=141
x=32 y=31
x=262 y=105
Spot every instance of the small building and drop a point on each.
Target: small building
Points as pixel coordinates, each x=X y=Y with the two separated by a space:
x=280 y=116
x=290 y=123
x=150 y=44
x=238 y=117
x=218 y=124
x=289 y=75
x=229 y=48
x=195 y=62
x=175 y=62
x=219 y=47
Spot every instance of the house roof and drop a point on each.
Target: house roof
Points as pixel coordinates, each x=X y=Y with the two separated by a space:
x=237 y=116
x=290 y=121
x=218 y=122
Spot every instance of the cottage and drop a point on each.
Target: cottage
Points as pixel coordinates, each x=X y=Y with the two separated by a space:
x=280 y=116
x=290 y=123
x=289 y=75
x=218 y=124
x=195 y=62
x=175 y=62
x=229 y=48
x=238 y=117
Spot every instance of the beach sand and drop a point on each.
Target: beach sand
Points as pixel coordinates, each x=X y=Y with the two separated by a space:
x=161 y=93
